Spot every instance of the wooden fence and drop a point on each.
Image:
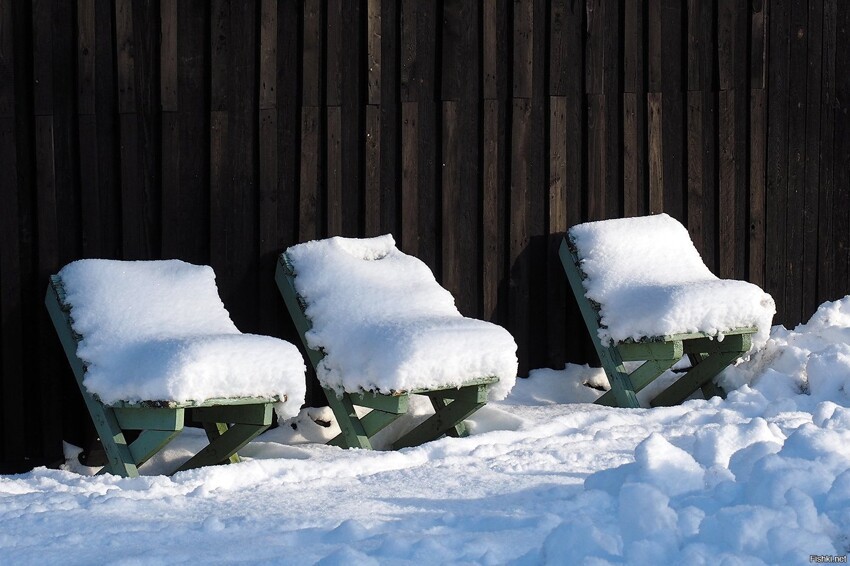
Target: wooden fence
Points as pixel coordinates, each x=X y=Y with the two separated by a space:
x=476 y=132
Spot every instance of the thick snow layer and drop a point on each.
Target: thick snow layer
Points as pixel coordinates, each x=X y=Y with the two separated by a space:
x=385 y=323
x=157 y=330
x=649 y=280
x=545 y=478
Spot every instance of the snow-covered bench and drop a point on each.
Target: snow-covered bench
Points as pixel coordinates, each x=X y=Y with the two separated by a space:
x=149 y=340
x=646 y=295
x=378 y=327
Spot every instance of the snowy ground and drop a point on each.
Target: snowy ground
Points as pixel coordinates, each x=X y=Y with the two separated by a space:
x=762 y=477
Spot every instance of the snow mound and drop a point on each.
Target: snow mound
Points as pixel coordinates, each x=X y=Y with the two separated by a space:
x=157 y=330
x=650 y=280
x=385 y=323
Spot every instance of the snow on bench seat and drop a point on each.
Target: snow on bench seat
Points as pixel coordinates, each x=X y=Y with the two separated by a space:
x=385 y=324
x=649 y=281
x=158 y=331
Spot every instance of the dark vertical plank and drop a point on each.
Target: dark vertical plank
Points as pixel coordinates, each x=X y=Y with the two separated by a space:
x=11 y=309
x=828 y=286
x=673 y=86
x=612 y=88
x=632 y=157
x=352 y=120
x=169 y=95
x=7 y=65
x=758 y=144
x=125 y=56
x=310 y=177
x=390 y=118
x=812 y=184
x=594 y=56
x=243 y=85
x=597 y=157
x=557 y=164
x=87 y=127
x=221 y=201
x=523 y=55
x=461 y=176
x=288 y=93
x=410 y=177
x=727 y=187
x=47 y=249
x=777 y=154
x=312 y=45
x=452 y=274
x=537 y=189
x=654 y=45
x=219 y=53
x=758 y=156
x=13 y=444
x=333 y=171
x=191 y=202
x=372 y=193
x=496 y=55
x=841 y=181
x=168 y=55
x=758 y=44
x=65 y=134
x=794 y=244
x=309 y=221
x=85 y=57
x=42 y=58
x=373 y=51
x=557 y=221
x=655 y=152
x=172 y=213
x=138 y=155
x=107 y=144
x=493 y=195
x=221 y=196
x=696 y=167
x=634 y=110
x=334 y=53
x=731 y=193
x=270 y=240
x=519 y=229
x=575 y=115
x=490 y=36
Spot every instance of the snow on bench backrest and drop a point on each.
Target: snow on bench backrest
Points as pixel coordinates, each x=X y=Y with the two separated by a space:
x=385 y=323
x=649 y=280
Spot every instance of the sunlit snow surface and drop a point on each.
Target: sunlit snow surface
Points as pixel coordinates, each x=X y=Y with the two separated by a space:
x=762 y=477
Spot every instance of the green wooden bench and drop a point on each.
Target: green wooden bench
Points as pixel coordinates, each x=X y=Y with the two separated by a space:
x=708 y=356
x=451 y=404
x=133 y=432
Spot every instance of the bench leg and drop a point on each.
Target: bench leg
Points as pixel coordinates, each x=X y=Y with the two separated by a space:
x=451 y=406
x=353 y=433
x=640 y=378
x=698 y=376
x=228 y=429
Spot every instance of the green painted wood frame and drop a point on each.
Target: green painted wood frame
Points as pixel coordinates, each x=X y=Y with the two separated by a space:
x=451 y=405
x=708 y=357
x=229 y=423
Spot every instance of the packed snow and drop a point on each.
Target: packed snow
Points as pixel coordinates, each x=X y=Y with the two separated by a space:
x=385 y=324
x=650 y=280
x=762 y=477
x=157 y=330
